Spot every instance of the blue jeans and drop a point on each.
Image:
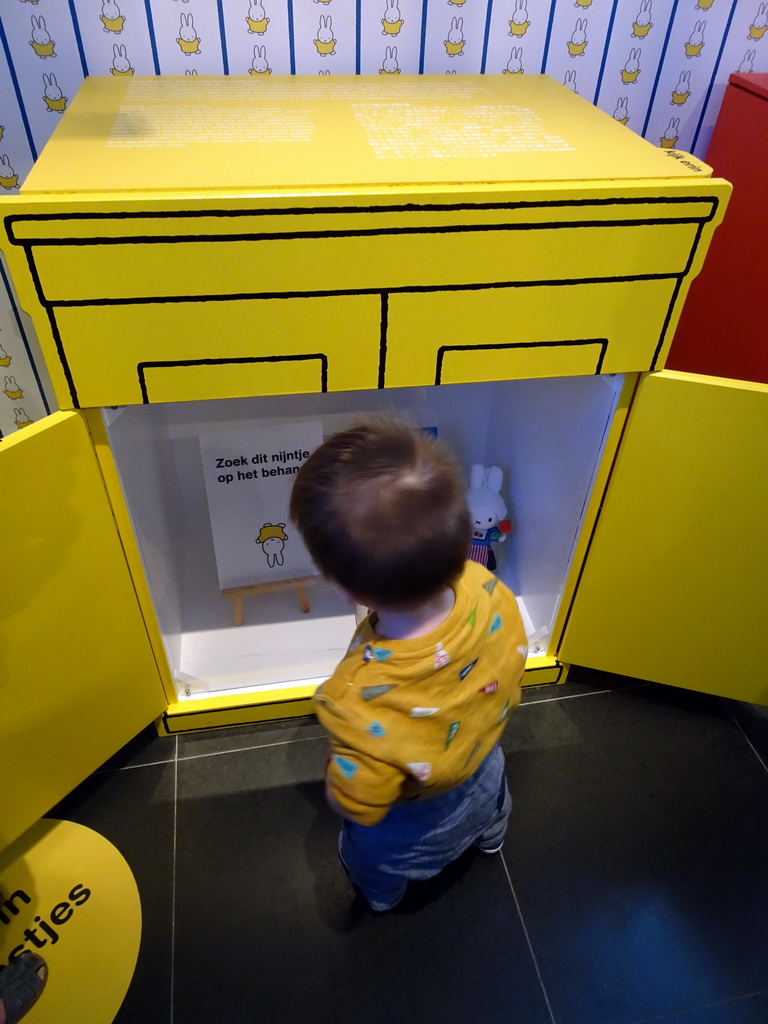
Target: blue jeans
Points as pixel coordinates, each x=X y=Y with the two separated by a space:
x=417 y=839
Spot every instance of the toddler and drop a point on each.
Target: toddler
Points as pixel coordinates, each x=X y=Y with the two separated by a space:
x=416 y=707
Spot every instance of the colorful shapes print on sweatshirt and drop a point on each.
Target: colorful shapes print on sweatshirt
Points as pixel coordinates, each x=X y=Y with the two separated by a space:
x=423 y=712
x=377 y=729
x=379 y=653
x=467 y=669
x=345 y=766
x=496 y=624
x=453 y=728
x=372 y=692
x=441 y=657
x=489 y=688
x=420 y=770
x=490 y=586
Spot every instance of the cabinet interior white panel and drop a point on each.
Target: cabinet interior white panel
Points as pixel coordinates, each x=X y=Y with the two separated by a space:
x=546 y=435
x=145 y=461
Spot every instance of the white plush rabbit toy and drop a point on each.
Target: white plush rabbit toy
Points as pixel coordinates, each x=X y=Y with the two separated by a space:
x=487 y=511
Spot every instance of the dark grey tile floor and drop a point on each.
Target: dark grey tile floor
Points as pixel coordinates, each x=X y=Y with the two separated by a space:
x=633 y=886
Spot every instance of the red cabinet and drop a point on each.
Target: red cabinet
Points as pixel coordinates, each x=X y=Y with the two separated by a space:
x=723 y=330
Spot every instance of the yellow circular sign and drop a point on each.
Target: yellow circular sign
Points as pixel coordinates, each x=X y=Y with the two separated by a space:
x=67 y=894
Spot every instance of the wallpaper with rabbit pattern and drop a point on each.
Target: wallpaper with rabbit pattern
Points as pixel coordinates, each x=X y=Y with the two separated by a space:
x=658 y=66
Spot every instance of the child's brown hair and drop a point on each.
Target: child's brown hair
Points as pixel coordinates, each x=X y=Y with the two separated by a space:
x=382 y=510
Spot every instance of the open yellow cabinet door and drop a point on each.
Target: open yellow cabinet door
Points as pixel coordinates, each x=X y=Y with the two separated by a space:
x=674 y=584
x=77 y=675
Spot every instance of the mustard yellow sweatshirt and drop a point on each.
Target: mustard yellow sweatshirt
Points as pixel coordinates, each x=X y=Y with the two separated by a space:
x=409 y=719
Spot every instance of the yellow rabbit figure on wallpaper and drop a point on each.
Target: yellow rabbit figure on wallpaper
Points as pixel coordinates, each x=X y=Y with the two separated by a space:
x=760 y=23
x=671 y=134
x=260 y=64
x=392 y=21
x=682 y=90
x=111 y=18
x=5 y=359
x=577 y=44
x=390 y=65
x=631 y=69
x=52 y=94
x=188 y=40
x=20 y=417
x=41 y=41
x=642 y=24
x=325 y=44
x=621 y=113
x=8 y=178
x=695 y=43
x=12 y=389
x=515 y=62
x=120 y=63
x=518 y=26
x=257 y=19
x=454 y=44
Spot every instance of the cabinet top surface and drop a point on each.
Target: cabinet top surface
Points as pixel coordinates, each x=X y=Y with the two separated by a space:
x=291 y=133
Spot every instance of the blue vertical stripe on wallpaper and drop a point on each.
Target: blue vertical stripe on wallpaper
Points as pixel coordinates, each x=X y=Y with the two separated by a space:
x=545 y=54
x=78 y=37
x=152 y=40
x=17 y=90
x=423 y=37
x=714 y=75
x=358 y=35
x=660 y=67
x=22 y=332
x=291 y=39
x=223 y=32
x=605 y=50
x=487 y=36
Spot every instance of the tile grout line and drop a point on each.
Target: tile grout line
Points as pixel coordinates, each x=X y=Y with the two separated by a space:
x=590 y=693
x=701 y=1006
x=173 y=875
x=736 y=722
x=259 y=746
x=527 y=938
x=320 y=736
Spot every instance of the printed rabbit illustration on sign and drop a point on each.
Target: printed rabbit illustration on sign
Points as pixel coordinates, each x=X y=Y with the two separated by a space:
x=272 y=539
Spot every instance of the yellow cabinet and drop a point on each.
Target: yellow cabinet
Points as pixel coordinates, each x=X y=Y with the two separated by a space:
x=494 y=256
